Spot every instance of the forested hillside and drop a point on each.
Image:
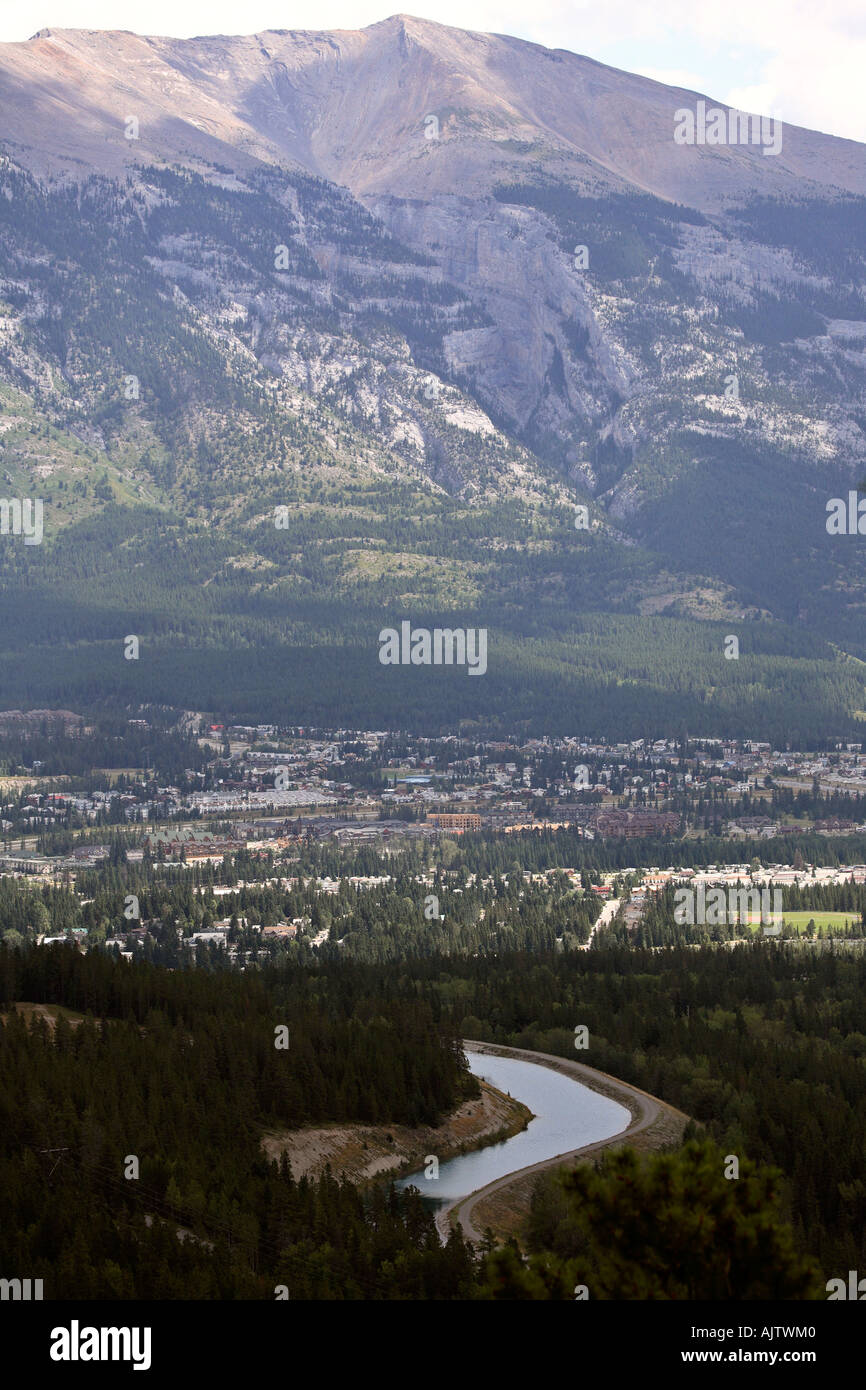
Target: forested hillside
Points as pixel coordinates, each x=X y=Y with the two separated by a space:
x=179 y=1070
x=240 y=405
x=183 y=1072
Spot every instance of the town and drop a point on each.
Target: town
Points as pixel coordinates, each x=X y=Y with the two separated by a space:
x=265 y=825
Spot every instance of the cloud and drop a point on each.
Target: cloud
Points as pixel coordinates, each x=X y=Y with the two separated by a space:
x=804 y=62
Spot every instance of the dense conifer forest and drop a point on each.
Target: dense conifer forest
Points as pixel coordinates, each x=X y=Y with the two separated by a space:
x=180 y=1070
x=183 y=1072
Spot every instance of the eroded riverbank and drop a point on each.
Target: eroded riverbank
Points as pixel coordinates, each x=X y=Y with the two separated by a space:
x=364 y=1152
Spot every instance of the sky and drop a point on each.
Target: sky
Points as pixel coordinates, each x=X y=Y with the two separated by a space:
x=801 y=62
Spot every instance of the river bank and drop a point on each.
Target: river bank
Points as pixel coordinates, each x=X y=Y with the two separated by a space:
x=503 y=1204
x=362 y=1153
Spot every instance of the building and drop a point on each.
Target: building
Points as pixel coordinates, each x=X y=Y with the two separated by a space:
x=195 y=844
x=632 y=825
x=26 y=864
x=458 y=821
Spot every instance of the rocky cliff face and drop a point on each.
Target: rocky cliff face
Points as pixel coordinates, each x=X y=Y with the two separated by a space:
x=476 y=268
x=508 y=261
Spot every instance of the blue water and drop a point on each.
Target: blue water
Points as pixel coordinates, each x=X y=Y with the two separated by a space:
x=567 y=1116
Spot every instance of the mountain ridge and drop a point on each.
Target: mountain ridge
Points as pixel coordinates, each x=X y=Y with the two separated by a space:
x=516 y=93
x=373 y=283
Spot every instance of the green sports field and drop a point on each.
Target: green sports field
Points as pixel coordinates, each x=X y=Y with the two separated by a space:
x=801 y=920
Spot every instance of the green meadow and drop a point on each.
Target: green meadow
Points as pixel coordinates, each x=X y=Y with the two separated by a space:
x=801 y=920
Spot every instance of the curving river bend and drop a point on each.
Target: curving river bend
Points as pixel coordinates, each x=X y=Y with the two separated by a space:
x=567 y=1115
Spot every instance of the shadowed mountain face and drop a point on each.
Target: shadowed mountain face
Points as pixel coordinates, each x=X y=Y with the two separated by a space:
x=302 y=331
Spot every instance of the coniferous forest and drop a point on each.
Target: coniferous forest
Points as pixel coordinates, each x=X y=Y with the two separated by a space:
x=179 y=1070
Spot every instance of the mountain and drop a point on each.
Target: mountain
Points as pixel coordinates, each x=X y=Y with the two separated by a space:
x=304 y=334
x=351 y=108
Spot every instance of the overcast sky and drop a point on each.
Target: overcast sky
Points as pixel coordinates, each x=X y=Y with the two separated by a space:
x=800 y=61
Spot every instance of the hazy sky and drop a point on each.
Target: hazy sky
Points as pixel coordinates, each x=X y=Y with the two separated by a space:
x=802 y=62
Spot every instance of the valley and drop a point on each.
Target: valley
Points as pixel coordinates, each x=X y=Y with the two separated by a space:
x=432 y=682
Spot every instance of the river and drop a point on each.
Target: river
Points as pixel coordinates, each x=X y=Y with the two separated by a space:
x=567 y=1116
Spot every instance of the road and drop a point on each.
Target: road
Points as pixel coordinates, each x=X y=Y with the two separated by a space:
x=604 y=918
x=644 y=1110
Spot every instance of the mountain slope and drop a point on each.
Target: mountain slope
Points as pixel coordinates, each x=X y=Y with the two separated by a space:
x=351 y=106
x=284 y=370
